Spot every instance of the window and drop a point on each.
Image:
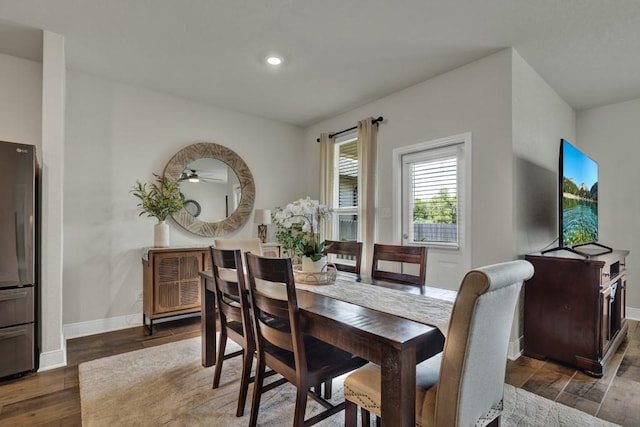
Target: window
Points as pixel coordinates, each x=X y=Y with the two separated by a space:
x=433 y=193
x=346 y=176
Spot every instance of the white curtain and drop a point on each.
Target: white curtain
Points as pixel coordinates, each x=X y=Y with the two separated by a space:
x=327 y=147
x=367 y=144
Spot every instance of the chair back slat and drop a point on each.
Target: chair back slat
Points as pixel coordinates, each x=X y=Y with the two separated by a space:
x=400 y=254
x=273 y=308
x=229 y=288
x=352 y=250
x=276 y=336
x=232 y=312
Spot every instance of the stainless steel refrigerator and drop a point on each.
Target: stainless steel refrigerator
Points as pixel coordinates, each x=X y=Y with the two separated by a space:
x=19 y=250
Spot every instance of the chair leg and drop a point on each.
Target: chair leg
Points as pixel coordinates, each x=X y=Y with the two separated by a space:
x=219 y=359
x=247 y=361
x=301 y=406
x=351 y=414
x=257 y=391
x=366 y=417
x=317 y=389
x=327 y=389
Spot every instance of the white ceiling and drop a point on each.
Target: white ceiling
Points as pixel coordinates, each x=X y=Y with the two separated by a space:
x=339 y=54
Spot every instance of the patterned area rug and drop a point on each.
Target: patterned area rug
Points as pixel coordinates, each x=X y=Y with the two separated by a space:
x=166 y=385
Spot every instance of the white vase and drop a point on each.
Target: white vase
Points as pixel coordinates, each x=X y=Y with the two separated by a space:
x=161 y=235
x=309 y=266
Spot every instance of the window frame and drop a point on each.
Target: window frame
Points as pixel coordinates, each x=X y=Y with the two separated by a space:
x=460 y=142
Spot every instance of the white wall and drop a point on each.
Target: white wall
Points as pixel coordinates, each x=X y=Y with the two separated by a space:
x=117 y=134
x=21 y=106
x=53 y=112
x=540 y=119
x=474 y=98
x=611 y=136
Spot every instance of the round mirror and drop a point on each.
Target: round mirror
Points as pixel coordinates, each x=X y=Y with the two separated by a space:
x=218 y=188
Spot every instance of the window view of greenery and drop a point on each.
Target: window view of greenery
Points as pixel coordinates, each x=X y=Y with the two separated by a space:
x=441 y=209
x=435 y=201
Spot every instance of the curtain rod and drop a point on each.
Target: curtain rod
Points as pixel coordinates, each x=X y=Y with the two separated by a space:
x=331 y=135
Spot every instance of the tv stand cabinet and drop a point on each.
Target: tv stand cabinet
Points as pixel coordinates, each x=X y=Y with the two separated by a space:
x=575 y=308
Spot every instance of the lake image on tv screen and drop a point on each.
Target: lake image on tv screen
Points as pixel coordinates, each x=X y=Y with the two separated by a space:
x=579 y=198
x=579 y=221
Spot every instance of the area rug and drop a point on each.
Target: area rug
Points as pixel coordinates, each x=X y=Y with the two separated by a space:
x=167 y=386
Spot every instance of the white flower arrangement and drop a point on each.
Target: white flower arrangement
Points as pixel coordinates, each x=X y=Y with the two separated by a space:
x=299 y=227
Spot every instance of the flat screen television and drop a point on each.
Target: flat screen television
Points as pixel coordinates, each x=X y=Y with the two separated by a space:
x=578 y=197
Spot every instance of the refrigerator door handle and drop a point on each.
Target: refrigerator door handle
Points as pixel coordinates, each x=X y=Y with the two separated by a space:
x=11 y=334
x=9 y=295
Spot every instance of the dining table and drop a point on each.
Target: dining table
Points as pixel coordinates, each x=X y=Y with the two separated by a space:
x=389 y=327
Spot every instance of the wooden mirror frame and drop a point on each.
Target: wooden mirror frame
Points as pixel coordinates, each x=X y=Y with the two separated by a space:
x=200 y=150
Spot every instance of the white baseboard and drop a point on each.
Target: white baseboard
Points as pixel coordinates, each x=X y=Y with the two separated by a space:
x=98 y=326
x=53 y=359
x=633 y=313
x=516 y=348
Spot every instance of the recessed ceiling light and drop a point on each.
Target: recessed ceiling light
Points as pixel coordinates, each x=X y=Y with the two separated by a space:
x=274 y=60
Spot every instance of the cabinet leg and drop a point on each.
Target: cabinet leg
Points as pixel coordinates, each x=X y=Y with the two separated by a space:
x=144 y=324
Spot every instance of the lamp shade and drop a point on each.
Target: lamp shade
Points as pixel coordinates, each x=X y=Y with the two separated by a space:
x=262 y=216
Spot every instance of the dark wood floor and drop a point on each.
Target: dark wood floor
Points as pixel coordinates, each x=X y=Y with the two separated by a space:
x=615 y=397
x=52 y=398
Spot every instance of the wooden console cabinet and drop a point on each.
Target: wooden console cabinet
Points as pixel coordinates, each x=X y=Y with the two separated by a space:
x=171 y=282
x=574 y=308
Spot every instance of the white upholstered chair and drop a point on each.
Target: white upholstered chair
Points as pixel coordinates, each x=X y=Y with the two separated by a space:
x=244 y=245
x=463 y=385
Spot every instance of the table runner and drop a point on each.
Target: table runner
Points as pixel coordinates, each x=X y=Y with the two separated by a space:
x=424 y=309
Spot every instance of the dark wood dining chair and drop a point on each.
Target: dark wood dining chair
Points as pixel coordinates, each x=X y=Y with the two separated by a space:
x=281 y=345
x=233 y=315
x=351 y=251
x=463 y=385
x=399 y=254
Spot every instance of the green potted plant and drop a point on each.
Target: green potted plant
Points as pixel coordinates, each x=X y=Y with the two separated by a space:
x=159 y=200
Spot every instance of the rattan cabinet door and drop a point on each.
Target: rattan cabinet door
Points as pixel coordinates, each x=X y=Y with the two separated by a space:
x=177 y=283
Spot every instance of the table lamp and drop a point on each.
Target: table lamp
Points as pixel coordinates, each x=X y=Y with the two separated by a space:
x=262 y=217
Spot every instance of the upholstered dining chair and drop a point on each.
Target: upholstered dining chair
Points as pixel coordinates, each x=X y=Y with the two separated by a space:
x=281 y=345
x=245 y=245
x=399 y=254
x=463 y=385
x=352 y=251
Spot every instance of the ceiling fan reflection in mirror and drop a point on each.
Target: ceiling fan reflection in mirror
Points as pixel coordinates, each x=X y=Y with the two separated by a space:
x=192 y=175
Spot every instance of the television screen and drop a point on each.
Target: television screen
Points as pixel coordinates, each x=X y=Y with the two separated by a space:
x=579 y=197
